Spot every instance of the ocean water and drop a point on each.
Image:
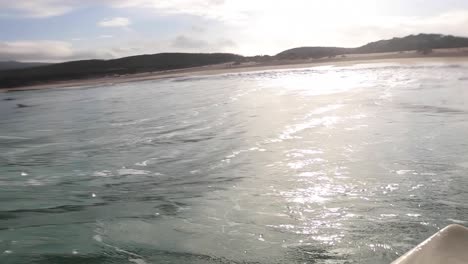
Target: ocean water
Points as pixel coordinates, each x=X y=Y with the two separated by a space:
x=350 y=164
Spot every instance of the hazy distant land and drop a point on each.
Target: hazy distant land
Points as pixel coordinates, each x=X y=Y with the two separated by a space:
x=13 y=65
x=410 y=49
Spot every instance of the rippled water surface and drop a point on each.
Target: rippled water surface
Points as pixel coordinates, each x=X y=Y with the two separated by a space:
x=322 y=165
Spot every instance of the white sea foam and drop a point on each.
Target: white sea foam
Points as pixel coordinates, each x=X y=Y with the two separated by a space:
x=132 y=172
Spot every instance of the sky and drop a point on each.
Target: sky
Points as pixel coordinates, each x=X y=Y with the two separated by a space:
x=62 y=30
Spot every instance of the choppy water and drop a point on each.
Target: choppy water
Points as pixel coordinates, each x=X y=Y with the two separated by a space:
x=322 y=165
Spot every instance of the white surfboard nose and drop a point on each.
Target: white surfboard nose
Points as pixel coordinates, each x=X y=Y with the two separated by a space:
x=448 y=246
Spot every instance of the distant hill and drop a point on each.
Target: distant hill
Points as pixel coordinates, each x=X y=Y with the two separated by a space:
x=311 y=52
x=98 y=68
x=12 y=65
x=170 y=61
x=419 y=42
x=414 y=42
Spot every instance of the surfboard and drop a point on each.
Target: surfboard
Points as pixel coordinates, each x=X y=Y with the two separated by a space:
x=448 y=246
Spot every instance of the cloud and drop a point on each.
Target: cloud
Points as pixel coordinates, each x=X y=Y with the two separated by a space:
x=215 y=9
x=197 y=29
x=48 y=51
x=262 y=27
x=105 y=36
x=186 y=43
x=37 y=8
x=115 y=22
x=35 y=50
x=256 y=26
x=212 y=9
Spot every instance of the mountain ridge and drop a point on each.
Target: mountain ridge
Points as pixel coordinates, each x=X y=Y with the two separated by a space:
x=421 y=42
x=13 y=65
x=86 y=69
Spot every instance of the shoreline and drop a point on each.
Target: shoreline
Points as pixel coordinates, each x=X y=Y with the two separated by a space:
x=408 y=58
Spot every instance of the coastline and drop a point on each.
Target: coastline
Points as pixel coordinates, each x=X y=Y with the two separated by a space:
x=407 y=58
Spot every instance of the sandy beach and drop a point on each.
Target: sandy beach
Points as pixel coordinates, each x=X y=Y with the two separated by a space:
x=459 y=55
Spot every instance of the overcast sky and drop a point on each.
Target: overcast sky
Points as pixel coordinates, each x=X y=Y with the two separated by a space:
x=58 y=30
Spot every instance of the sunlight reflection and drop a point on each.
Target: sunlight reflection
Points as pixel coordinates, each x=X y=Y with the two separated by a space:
x=291 y=131
x=323 y=84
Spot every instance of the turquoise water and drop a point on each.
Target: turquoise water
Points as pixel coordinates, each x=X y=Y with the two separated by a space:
x=321 y=165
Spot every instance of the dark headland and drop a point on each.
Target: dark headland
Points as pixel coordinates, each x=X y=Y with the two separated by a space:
x=21 y=75
x=13 y=65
